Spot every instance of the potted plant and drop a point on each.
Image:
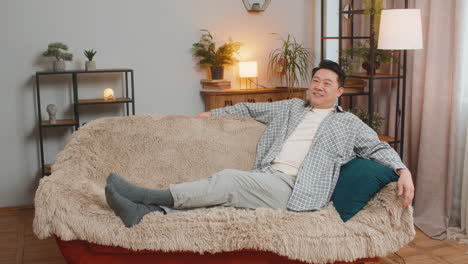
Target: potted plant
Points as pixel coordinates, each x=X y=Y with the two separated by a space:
x=58 y=50
x=208 y=55
x=90 y=65
x=364 y=51
x=377 y=120
x=291 y=62
x=360 y=54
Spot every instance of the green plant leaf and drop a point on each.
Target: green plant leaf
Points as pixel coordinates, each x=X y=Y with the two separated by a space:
x=205 y=50
x=56 y=49
x=291 y=62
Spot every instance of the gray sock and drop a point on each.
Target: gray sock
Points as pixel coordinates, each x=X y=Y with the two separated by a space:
x=129 y=212
x=139 y=194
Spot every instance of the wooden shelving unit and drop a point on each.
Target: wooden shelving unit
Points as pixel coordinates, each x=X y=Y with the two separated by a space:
x=59 y=123
x=102 y=101
x=371 y=79
x=129 y=98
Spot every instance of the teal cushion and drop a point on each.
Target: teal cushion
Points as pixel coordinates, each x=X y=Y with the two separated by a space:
x=360 y=179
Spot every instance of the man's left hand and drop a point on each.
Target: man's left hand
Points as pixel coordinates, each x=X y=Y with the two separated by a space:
x=405 y=186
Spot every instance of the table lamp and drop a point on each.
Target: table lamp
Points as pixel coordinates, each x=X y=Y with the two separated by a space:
x=247 y=70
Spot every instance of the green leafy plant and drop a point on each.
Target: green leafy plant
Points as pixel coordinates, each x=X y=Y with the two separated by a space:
x=361 y=54
x=377 y=120
x=57 y=50
x=291 y=62
x=206 y=51
x=374 y=7
x=90 y=54
x=362 y=51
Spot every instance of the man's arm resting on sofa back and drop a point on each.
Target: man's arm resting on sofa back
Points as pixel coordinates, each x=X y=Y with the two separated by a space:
x=262 y=112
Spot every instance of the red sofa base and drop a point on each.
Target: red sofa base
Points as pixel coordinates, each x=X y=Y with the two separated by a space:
x=83 y=252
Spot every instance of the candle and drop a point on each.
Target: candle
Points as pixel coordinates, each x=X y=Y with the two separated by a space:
x=108 y=94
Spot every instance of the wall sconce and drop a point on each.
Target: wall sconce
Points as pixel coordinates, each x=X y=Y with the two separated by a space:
x=108 y=94
x=247 y=70
x=256 y=6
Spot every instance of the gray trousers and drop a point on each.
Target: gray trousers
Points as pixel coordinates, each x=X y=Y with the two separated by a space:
x=235 y=188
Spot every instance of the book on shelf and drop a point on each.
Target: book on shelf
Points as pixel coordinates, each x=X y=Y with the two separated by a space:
x=216 y=84
x=354 y=85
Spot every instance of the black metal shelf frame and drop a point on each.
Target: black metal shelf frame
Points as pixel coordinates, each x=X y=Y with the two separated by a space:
x=76 y=104
x=400 y=76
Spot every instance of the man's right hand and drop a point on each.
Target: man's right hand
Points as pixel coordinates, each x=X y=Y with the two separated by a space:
x=203 y=115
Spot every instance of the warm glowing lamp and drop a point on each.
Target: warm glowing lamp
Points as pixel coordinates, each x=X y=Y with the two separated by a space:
x=108 y=94
x=247 y=70
x=400 y=29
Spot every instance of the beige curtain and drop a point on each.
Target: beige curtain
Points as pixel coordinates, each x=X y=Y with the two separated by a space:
x=432 y=114
x=460 y=231
x=459 y=217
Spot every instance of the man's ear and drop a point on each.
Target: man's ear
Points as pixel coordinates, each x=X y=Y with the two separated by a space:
x=340 y=91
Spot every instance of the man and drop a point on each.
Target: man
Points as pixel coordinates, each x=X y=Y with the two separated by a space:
x=297 y=162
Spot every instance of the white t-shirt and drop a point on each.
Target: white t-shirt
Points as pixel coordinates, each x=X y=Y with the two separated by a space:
x=296 y=147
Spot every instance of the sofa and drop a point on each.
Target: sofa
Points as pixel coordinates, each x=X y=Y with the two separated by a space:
x=156 y=150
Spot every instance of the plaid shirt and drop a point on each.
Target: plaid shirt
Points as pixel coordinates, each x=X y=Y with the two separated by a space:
x=340 y=137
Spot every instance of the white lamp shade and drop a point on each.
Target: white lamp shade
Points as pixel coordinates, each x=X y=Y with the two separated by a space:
x=400 y=29
x=248 y=69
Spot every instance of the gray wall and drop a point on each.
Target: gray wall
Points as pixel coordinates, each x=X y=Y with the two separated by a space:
x=152 y=37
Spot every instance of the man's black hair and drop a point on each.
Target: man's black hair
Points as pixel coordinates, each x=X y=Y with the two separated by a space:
x=332 y=66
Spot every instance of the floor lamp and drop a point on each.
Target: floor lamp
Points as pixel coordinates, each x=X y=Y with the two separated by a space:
x=400 y=29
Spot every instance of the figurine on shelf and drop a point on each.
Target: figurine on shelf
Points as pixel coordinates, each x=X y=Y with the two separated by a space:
x=52 y=110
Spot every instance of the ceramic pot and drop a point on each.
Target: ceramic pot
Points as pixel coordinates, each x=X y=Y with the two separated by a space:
x=366 y=66
x=90 y=65
x=217 y=72
x=59 y=65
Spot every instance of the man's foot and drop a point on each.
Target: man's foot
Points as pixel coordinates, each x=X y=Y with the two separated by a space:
x=131 y=213
x=139 y=194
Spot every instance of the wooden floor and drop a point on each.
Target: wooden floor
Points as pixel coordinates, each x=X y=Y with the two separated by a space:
x=18 y=244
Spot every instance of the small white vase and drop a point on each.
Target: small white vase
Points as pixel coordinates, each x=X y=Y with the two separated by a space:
x=59 y=65
x=90 y=65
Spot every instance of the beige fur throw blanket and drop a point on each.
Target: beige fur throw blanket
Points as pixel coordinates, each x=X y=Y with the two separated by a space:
x=154 y=151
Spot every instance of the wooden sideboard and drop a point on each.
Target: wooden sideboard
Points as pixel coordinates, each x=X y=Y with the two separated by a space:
x=221 y=98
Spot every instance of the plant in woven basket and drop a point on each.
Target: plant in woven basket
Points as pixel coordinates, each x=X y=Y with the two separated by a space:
x=290 y=63
x=377 y=121
x=207 y=53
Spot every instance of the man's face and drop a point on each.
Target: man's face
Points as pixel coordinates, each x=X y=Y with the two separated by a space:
x=324 y=89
